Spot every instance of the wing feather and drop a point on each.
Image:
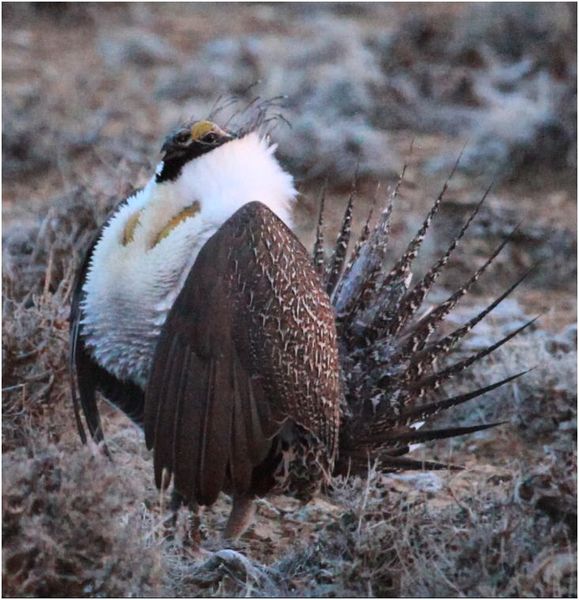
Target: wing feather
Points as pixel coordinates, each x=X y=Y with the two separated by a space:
x=188 y=442
x=167 y=411
x=212 y=426
x=215 y=454
x=242 y=461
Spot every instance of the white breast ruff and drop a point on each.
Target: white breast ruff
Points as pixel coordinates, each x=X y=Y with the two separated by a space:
x=130 y=289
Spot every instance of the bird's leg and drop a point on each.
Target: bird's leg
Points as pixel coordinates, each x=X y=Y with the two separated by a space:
x=175 y=504
x=240 y=518
x=192 y=534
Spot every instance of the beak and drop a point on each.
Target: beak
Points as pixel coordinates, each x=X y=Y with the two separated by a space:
x=225 y=135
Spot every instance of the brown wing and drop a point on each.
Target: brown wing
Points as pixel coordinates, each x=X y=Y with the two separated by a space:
x=249 y=344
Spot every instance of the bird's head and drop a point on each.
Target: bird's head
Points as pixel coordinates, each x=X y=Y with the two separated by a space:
x=187 y=143
x=220 y=170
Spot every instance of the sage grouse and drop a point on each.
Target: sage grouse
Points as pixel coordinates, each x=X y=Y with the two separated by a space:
x=253 y=367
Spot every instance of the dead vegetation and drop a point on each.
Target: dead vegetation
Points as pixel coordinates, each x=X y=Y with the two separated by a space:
x=81 y=130
x=74 y=527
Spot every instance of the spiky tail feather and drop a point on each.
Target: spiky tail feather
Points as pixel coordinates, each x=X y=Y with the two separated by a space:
x=388 y=361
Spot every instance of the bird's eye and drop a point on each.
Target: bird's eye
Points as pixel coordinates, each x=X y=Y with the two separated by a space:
x=210 y=138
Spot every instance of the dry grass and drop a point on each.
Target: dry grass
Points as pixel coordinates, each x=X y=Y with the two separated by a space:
x=77 y=524
x=74 y=526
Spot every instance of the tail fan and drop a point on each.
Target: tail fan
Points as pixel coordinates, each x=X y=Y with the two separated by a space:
x=341 y=250
x=361 y=278
x=318 y=252
x=388 y=360
x=414 y=299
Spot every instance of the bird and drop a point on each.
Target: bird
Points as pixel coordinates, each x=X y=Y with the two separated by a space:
x=199 y=314
x=254 y=366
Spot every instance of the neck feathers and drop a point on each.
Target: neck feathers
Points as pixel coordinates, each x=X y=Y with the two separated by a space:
x=148 y=247
x=241 y=171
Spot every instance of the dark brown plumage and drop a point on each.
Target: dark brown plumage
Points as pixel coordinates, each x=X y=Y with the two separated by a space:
x=246 y=365
x=244 y=390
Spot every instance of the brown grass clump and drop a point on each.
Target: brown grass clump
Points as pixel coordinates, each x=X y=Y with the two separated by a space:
x=70 y=528
x=472 y=536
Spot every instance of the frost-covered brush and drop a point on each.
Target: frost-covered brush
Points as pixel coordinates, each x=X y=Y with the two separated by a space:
x=199 y=314
x=387 y=352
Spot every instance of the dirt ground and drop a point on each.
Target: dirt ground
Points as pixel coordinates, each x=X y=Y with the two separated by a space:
x=90 y=91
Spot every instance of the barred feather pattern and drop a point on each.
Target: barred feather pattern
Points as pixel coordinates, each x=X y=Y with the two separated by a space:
x=339 y=256
x=388 y=361
x=318 y=253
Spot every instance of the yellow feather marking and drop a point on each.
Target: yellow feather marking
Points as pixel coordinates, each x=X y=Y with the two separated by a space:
x=186 y=213
x=129 y=231
x=200 y=128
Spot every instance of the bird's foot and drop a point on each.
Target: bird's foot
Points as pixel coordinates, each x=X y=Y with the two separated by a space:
x=193 y=534
x=227 y=562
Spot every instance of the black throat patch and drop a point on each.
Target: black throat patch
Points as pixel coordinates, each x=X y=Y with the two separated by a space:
x=174 y=163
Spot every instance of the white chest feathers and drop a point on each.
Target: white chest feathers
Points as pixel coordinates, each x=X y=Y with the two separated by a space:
x=148 y=247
